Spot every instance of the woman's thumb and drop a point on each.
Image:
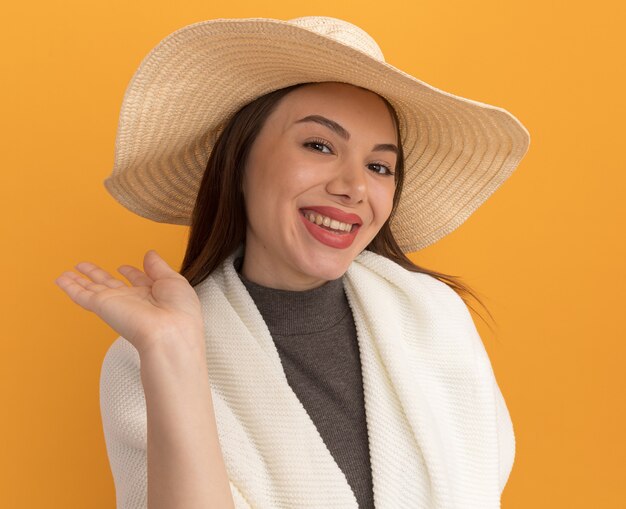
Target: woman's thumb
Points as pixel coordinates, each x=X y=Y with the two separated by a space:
x=155 y=266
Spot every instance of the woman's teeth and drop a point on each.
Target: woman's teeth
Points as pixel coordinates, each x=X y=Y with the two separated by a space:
x=333 y=224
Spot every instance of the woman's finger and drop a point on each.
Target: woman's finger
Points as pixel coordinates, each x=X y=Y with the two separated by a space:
x=135 y=276
x=157 y=268
x=75 y=287
x=85 y=283
x=99 y=275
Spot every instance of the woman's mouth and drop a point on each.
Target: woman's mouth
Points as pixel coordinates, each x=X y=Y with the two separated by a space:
x=329 y=232
x=328 y=223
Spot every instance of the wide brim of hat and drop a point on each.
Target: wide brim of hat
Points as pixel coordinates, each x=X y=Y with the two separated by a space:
x=457 y=151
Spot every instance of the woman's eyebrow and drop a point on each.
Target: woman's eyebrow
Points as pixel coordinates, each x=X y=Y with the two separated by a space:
x=341 y=131
x=331 y=124
x=389 y=147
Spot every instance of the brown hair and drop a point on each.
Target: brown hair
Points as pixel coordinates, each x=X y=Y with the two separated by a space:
x=218 y=223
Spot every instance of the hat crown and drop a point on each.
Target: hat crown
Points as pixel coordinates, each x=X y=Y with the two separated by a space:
x=341 y=31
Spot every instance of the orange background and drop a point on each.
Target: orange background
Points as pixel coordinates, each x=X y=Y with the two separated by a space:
x=546 y=252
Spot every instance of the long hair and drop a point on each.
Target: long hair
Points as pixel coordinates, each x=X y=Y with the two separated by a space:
x=218 y=223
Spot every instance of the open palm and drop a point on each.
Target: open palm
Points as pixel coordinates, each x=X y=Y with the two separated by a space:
x=160 y=303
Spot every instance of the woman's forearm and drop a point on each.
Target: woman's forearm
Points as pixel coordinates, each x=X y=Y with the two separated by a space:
x=185 y=464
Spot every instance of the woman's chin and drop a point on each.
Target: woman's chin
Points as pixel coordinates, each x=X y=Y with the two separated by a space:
x=327 y=267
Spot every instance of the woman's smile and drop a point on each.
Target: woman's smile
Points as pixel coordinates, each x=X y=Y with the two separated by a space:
x=331 y=217
x=328 y=235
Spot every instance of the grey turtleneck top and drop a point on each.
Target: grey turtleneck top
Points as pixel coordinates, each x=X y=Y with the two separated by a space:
x=315 y=335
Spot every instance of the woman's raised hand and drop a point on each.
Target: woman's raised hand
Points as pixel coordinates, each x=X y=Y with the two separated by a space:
x=160 y=304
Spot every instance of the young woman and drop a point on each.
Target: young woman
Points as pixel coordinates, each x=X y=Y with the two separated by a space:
x=298 y=358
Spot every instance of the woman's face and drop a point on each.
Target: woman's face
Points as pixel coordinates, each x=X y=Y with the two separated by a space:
x=328 y=150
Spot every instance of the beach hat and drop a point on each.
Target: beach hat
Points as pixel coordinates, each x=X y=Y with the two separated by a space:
x=457 y=151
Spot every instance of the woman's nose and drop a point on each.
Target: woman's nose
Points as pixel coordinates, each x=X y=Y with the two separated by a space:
x=349 y=182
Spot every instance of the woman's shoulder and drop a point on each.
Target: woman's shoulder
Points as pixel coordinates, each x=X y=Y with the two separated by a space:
x=120 y=360
x=387 y=272
x=122 y=400
x=413 y=299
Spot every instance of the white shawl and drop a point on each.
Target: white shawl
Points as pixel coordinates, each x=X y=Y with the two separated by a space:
x=440 y=434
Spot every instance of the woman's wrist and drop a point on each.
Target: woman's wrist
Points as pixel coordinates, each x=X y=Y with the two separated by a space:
x=176 y=355
x=188 y=342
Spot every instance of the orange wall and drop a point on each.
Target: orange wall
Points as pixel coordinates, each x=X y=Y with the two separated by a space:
x=546 y=252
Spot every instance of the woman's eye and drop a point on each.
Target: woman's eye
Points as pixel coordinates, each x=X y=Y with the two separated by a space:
x=319 y=146
x=381 y=168
x=324 y=147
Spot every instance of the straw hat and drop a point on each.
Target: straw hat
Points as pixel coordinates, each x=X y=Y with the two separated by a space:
x=457 y=151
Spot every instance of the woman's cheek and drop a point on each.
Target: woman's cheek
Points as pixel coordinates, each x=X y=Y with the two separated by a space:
x=302 y=175
x=381 y=197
